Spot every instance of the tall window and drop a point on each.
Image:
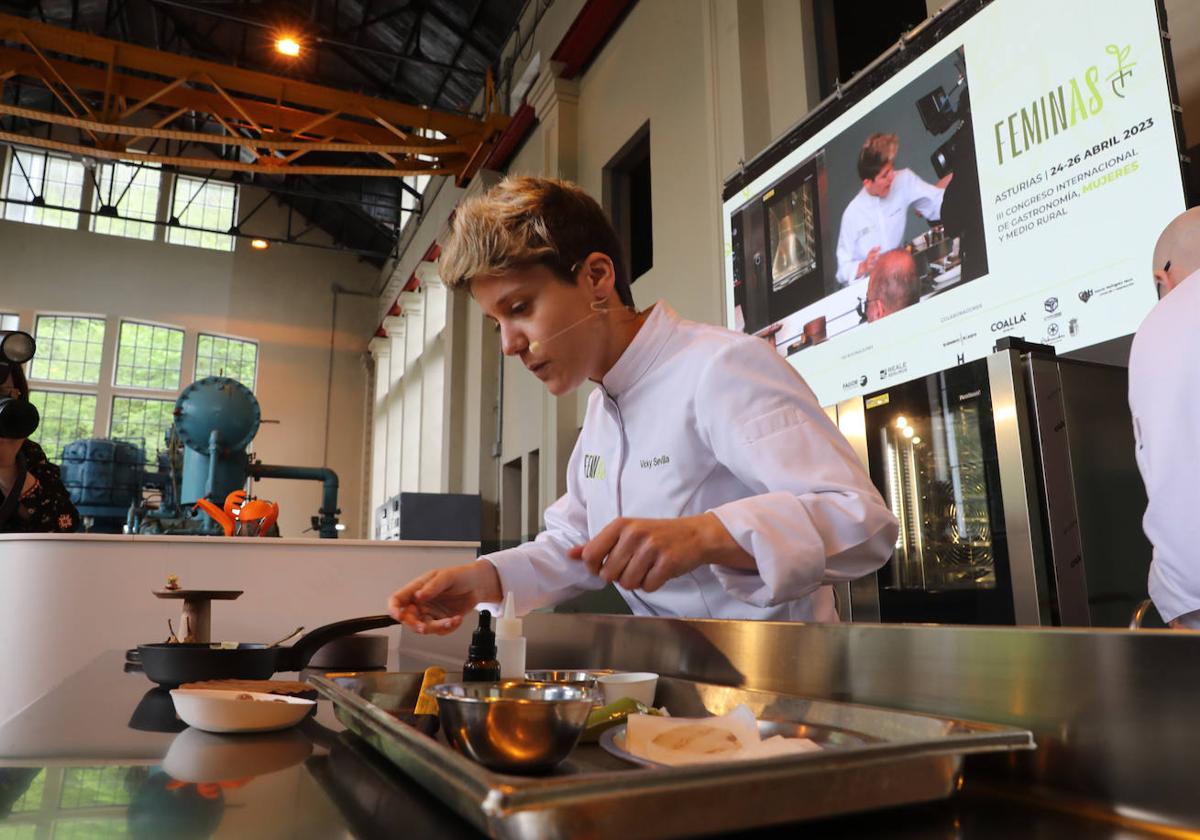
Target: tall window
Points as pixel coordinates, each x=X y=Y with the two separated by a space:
x=65 y=417
x=69 y=349
x=51 y=180
x=201 y=203
x=218 y=355
x=126 y=202
x=627 y=197
x=142 y=421
x=149 y=356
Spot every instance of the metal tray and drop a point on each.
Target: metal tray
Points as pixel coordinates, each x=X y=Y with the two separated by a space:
x=883 y=758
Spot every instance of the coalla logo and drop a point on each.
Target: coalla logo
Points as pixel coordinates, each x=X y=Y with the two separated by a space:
x=593 y=466
x=1008 y=323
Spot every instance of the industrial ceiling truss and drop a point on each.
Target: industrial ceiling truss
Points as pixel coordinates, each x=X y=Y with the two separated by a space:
x=118 y=101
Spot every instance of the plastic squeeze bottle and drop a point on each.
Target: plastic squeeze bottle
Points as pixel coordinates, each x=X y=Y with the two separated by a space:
x=481 y=664
x=510 y=642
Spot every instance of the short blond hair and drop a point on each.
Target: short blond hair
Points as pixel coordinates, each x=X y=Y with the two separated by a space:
x=876 y=153
x=525 y=221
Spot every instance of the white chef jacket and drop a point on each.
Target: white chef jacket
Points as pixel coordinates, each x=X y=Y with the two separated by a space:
x=869 y=221
x=1164 y=397
x=695 y=418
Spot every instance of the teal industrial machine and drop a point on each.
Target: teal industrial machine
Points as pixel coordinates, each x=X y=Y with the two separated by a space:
x=206 y=457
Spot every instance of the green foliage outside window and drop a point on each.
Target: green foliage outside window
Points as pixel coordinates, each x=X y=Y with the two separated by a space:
x=69 y=349
x=218 y=355
x=65 y=418
x=149 y=356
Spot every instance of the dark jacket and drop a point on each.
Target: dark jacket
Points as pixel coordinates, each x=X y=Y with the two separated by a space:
x=45 y=507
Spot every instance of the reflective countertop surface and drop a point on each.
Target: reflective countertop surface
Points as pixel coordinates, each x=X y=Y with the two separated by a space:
x=102 y=755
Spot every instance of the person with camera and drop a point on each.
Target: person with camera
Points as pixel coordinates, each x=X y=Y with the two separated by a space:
x=32 y=496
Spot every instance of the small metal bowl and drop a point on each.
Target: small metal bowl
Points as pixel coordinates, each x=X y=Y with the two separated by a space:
x=586 y=679
x=513 y=726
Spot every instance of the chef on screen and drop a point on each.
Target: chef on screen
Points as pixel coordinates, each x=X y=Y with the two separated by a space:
x=874 y=220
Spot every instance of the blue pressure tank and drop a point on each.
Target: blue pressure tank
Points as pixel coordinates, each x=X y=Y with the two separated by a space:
x=215 y=418
x=103 y=477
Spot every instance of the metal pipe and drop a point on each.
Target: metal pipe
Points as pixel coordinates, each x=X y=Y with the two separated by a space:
x=327 y=522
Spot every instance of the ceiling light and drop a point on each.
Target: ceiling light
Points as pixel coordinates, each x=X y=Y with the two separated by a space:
x=259 y=244
x=287 y=45
x=907 y=431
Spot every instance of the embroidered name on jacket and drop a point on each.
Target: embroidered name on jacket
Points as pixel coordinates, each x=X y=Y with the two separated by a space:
x=651 y=463
x=593 y=466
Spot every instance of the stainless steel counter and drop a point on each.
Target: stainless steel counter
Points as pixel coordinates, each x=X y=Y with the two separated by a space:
x=84 y=757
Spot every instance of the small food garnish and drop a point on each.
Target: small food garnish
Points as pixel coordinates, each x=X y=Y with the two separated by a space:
x=245 y=696
x=172 y=583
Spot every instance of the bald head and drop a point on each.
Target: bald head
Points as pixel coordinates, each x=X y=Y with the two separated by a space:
x=1178 y=245
x=893 y=284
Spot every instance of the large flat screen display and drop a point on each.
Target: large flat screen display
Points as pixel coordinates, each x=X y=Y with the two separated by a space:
x=1010 y=180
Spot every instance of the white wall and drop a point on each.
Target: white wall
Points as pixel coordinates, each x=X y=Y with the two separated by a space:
x=717 y=80
x=281 y=298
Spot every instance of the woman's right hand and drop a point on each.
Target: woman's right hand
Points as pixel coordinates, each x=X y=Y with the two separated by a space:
x=437 y=601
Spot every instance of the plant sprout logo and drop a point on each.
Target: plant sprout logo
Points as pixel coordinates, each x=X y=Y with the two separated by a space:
x=1086 y=295
x=1124 y=70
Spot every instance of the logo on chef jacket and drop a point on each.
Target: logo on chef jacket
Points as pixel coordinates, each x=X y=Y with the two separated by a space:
x=1051 y=304
x=1086 y=295
x=593 y=467
x=656 y=461
x=1010 y=323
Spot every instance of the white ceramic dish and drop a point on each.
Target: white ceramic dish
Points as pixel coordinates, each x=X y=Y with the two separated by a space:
x=229 y=711
x=641 y=686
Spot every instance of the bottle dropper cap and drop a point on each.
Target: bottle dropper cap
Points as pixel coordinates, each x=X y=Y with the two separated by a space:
x=483 y=640
x=509 y=626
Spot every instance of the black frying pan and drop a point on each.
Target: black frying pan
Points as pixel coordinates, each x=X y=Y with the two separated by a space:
x=170 y=665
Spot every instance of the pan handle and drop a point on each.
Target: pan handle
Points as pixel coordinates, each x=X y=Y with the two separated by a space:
x=296 y=657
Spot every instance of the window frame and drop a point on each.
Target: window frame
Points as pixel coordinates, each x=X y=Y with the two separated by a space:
x=56 y=455
x=147 y=389
x=150 y=224
x=10 y=165
x=148 y=456
x=175 y=225
x=200 y=334
x=76 y=384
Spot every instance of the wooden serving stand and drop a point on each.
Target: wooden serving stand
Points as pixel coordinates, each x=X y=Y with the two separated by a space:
x=195 y=621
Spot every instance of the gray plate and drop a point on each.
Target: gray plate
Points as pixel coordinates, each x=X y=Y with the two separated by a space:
x=612 y=740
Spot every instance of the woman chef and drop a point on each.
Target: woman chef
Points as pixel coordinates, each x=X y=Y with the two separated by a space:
x=706 y=481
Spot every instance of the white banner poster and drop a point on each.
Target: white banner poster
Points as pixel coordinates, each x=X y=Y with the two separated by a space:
x=1012 y=180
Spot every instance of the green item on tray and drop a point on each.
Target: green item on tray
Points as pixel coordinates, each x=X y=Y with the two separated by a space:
x=614 y=713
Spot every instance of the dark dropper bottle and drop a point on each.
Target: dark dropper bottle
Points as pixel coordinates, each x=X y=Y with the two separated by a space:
x=482 y=664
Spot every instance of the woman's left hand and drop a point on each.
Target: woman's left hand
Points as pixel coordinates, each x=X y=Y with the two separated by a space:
x=646 y=553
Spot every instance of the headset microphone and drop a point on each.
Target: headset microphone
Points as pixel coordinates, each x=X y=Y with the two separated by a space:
x=598 y=308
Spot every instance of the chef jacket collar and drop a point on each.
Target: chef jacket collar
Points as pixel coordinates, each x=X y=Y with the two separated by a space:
x=642 y=352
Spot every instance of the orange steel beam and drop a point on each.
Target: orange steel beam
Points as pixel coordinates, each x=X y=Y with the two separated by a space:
x=277 y=168
x=141 y=131
x=290 y=121
x=260 y=112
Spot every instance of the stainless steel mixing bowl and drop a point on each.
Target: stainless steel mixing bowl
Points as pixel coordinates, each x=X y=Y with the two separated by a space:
x=584 y=679
x=513 y=726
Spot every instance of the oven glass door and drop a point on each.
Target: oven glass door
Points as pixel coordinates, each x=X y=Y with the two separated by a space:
x=932 y=452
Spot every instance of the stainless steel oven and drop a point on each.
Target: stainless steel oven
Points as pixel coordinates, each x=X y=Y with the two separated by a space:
x=1014 y=481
